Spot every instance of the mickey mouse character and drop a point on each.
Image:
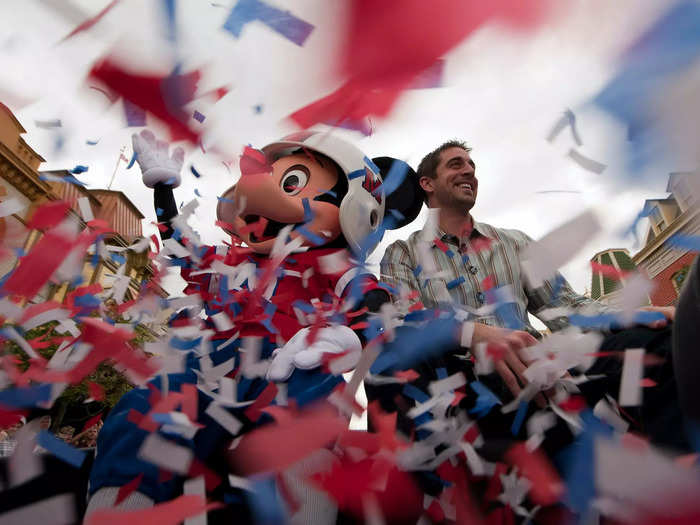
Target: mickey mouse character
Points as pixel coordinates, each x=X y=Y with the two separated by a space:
x=302 y=208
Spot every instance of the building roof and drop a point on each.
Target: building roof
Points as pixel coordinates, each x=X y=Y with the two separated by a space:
x=123 y=197
x=674 y=176
x=7 y=110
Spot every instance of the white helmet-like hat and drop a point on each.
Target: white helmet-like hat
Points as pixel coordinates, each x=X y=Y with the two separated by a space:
x=362 y=209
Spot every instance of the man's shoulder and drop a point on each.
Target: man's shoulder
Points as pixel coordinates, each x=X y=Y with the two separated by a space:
x=401 y=248
x=510 y=234
x=405 y=244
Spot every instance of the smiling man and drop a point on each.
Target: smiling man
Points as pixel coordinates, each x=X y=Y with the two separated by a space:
x=457 y=261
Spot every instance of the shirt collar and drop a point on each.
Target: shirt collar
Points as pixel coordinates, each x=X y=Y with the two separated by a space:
x=479 y=229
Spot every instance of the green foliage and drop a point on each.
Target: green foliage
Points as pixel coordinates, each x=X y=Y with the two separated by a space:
x=70 y=407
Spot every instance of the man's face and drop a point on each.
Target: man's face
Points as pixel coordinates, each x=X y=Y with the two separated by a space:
x=455 y=185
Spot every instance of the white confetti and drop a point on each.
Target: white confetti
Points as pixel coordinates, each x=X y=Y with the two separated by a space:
x=166 y=454
x=223 y=418
x=586 y=163
x=85 y=209
x=56 y=510
x=10 y=207
x=630 y=383
x=542 y=259
x=196 y=487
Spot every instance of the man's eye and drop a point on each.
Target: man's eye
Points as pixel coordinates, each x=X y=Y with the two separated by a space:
x=294 y=181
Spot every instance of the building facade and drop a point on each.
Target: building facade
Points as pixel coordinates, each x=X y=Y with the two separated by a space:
x=20 y=179
x=605 y=288
x=678 y=213
x=663 y=263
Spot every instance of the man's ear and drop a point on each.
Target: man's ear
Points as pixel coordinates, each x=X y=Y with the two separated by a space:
x=403 y=193
x=426 y=183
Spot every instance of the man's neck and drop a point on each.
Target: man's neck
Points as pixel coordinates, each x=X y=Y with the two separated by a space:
x=456 y=222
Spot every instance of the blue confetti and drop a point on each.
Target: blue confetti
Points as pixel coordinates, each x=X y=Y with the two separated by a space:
x=412 y=346
x=70 y=179
x=269 y=311
x=371 y=165
x=258 y=108
x=417 y=271
x=119 y=259
x=196 y=192
x=326 y=192
x=441 y=373
x=308 y=214
x=396 y=176
x=135 y=116
x=671 y=46
x=92 y=142
x=224 y=199
x=283 y=22
x=485 y=401
x=519 y=418
x=304 y=306
x=455 y=283
x=356 y=174
x=415 y=393
x=198 y=116
x=159 y=211
x=388 y=288
x=577 y=463
x=79 y=169
x=195 y=172
x=25 y=397
x=184 y=344
x=169 y=8
x=685 y=242
x=264 y=502
x=60 y=449
x=315 y=239
x=133 y=159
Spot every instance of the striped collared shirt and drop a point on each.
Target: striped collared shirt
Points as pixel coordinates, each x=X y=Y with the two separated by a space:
x=474 y=273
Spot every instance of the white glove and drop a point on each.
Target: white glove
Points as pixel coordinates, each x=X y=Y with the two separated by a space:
x=297 y=354
x=152 y=156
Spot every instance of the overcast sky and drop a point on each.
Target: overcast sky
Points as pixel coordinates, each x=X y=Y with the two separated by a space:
x=502 y=93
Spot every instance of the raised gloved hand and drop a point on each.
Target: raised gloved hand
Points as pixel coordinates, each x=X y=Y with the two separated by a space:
x=297 y=353
x=155 y=163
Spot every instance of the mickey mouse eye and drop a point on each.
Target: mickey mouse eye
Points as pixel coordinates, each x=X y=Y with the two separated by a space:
x=294 y=179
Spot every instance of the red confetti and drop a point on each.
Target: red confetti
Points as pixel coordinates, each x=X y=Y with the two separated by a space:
x=573 y=404
x=254 y=162
x=147 y=93
x=96 y=391
x=126 y=490
x=189 y=401
x=266 y=397
x=546 y=488
x=49 y=215
x=170 y=513
x=91 y=21
x=10 y=417
x=407 y=375
x=609 y=271
x=488 y=283
x=647 y=382
x=92 y=421
x=37 y=267
x=274 y=447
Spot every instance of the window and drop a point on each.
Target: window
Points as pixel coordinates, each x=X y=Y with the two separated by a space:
x=679 y=277
x=656 y=218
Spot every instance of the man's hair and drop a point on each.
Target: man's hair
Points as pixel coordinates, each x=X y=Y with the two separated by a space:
x=428 y=166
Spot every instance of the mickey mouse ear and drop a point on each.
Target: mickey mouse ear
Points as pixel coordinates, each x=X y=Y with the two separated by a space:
x=404 y=196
